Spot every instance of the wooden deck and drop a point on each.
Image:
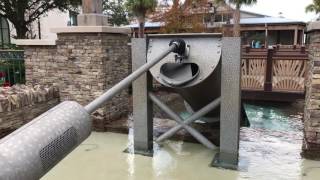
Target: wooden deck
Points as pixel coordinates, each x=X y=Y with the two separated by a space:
x=276 y=74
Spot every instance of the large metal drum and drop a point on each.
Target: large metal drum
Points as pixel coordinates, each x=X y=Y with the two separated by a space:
x=196 y=77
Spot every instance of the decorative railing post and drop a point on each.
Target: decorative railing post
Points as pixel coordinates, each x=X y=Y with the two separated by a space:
x=268 y=79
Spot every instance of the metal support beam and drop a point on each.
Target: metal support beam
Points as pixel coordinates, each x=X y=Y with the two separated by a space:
x=179 y=120
x=142 y=106
x=230 y=104
x=190 y=119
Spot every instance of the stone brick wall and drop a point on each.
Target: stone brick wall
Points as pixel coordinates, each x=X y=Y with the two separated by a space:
x=83 y=66
x=311 y=144
x=40 y=65
x=20 y=104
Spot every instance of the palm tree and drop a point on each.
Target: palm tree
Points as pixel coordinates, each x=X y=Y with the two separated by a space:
x=236 y=15
x=139 y=8
x=314 y=7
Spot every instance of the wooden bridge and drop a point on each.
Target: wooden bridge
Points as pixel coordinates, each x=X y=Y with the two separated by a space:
x=275 y=74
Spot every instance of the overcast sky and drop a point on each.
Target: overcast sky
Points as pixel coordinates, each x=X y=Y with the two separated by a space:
x=291 y=9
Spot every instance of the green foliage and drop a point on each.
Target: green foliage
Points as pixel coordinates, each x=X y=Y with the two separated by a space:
x=314 y=7
x=236 y=15
x=14 y=71
x=116 y=12
x=238 y=3
x=21 y=13
x=181 y=19
x=140 y=8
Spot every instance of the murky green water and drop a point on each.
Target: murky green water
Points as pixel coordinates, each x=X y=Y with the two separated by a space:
x=269 y=149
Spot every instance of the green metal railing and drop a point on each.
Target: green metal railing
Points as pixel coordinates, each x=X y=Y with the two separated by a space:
x=12 y=69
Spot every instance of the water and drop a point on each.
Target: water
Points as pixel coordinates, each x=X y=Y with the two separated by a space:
x=269 y=149
x=281 y=117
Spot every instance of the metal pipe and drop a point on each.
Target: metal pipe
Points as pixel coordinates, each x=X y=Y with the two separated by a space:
x=203 y=111
x=94 y=105
x=179 y=120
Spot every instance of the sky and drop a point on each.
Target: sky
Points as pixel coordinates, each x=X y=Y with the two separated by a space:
x=291 y=9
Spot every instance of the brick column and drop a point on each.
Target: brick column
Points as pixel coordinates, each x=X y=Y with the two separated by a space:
x=84 y=62
x=311 y=142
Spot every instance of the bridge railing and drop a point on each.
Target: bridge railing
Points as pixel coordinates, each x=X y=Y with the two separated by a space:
x=12 y=69
x=277 y=69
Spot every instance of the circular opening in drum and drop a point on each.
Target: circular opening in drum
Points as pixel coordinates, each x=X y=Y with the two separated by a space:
x=177 y=74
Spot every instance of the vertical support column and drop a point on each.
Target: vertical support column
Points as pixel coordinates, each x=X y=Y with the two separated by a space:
x=295 y=41
x=266 y=43
x=302 y=37
x=230 y=104
x=311 y=140
x=142 y=105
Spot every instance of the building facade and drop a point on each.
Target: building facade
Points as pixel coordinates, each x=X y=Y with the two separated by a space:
x=255 y=27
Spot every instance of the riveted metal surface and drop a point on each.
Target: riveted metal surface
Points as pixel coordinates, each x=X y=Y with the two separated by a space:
x=21 y=153
x=205 y=51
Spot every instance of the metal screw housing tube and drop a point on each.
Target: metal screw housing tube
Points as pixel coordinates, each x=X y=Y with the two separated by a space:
x=94 y=105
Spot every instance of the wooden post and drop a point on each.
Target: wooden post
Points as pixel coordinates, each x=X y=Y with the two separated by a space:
x=266 y=43
x=268 y=78
x=295 y=42
x=302 y=37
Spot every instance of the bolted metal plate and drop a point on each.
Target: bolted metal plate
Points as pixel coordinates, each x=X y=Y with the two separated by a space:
x=205 y=51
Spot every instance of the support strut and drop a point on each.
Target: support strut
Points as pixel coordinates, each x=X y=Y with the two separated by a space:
x=179 y=120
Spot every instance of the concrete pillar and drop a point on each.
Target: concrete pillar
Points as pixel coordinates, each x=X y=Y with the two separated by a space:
x=311 y=143
x=92 y=14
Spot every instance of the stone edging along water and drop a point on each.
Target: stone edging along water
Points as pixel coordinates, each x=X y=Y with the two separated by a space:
x=19 y=96
x=20 y=104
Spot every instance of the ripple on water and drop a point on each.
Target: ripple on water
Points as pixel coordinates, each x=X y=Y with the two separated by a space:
x=270 y=148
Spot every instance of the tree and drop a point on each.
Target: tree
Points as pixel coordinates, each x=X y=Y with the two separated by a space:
x=116 y=12
x=22 y=13
x=183 y=17
x=314 y=7
x=236 y=15
x=140 y=8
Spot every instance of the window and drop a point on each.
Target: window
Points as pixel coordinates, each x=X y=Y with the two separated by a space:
x=73 y=18
x=222 y=17
x=218 y=18
x=4 y=33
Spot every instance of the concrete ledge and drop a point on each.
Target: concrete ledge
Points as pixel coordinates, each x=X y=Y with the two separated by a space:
x=92 y=20
x=92 y=29
x=312 y=26
x=35 y=42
